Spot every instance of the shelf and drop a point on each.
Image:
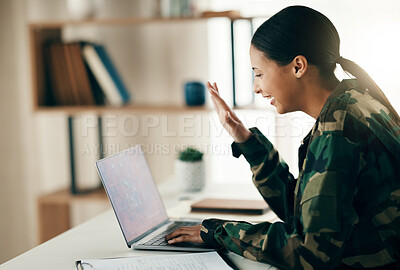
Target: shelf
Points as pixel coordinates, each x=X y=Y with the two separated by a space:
x=71 y=110
x=65 y=197
x=54 y=210
x=45 y=31
x=122 y=21
x=252 y=107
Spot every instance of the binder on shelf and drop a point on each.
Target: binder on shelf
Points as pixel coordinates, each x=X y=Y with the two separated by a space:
x=103 y=76
x=98 y=93
x=101 y=51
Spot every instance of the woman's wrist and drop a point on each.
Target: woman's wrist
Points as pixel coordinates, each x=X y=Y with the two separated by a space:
x=243 y=137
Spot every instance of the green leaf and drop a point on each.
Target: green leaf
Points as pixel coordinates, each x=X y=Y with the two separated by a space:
x=190 y=154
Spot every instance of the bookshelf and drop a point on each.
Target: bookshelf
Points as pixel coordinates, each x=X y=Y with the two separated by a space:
x=42 y=32
x=130 y=108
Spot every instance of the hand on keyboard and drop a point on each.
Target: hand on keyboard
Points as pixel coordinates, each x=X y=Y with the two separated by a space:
x=185 y=234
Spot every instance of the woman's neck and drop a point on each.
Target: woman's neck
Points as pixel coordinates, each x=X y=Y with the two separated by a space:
x=318 y=91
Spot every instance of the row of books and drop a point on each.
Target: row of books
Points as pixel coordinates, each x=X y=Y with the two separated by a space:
x=82 y=73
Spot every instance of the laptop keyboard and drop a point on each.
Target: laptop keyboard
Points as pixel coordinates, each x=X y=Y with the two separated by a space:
x=159 y=239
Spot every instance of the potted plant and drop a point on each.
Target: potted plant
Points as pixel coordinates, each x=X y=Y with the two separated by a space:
x=190 y=169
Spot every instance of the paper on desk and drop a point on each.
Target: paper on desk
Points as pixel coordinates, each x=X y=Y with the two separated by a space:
x=194 y=261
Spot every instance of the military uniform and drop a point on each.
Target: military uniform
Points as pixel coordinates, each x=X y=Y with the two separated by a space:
x=344 y=208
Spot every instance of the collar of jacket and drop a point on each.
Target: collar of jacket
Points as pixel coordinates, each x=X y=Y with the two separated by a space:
x=342 y=87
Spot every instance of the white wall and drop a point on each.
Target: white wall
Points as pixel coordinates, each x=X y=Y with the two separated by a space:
x=17 y=226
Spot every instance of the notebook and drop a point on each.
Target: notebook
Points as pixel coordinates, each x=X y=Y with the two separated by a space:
x=137 y=204
x=250 y=207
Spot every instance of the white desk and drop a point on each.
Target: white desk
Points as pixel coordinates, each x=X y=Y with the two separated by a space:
x=101 y=237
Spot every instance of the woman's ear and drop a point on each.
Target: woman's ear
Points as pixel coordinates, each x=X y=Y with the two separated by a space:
x=300 y=65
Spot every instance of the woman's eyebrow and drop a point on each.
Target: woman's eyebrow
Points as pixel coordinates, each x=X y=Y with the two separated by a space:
x=254 y=68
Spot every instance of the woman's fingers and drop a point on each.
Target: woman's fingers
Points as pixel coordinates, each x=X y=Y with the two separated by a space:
x=219 y=104
x=185 y=234
x=183 y=238
x=213 y=86
x=213 y=92
x=174 y=234
x=216 y=87
x=223 y=109
x=217 y=98
x=186 y=238
x=209 y=85
x=227 y=117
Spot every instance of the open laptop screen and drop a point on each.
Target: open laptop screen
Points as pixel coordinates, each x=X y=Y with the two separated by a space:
x=132 y=192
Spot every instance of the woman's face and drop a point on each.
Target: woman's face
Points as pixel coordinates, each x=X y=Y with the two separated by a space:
x=274 y=82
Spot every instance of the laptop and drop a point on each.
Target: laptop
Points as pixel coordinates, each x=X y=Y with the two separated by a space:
x=137 y=204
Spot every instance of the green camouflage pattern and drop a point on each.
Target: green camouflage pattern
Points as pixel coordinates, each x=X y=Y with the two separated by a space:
x=344 y=208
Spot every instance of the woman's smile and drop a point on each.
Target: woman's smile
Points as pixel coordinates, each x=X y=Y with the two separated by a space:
x=271 y=98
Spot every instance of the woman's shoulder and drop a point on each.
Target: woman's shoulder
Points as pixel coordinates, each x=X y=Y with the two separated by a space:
x=359 y=117
x=337 y=110
x=352 y=104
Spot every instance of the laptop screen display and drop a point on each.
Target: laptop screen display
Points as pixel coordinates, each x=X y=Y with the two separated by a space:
x=132 y=192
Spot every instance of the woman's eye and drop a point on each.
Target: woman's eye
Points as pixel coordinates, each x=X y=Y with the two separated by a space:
x=258 y=75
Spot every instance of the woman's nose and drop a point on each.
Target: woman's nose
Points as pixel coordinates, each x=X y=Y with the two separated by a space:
x=256 y=89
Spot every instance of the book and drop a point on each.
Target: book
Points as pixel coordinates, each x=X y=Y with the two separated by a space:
x=61 y=85
x=68 y=76
x=103 y=77
x=108 y=63
x=252 y=207
x=84 y=89
x=206 y=260
x=98 y=93
x=52 y=73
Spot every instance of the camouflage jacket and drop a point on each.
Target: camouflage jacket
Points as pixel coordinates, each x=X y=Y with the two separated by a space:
x=344 y=208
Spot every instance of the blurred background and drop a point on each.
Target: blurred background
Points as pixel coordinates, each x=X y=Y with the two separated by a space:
x=155 y=60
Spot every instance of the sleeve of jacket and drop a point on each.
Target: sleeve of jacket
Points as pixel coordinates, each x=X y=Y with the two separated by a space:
x=271 y=174
x=327 y=218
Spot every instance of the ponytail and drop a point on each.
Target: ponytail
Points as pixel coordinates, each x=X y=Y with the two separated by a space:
x=367 y=83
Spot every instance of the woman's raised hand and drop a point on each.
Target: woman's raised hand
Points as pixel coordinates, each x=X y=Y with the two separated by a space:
x=227 y=117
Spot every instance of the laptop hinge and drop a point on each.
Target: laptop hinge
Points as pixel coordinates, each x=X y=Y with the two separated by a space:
x=148 y=232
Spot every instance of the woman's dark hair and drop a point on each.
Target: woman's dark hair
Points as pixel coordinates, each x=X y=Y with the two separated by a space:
x=300 y=30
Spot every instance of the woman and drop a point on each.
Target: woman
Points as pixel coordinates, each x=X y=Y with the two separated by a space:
x=343 y=211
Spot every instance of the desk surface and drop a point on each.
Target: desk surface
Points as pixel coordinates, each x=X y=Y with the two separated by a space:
x=101 y=237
